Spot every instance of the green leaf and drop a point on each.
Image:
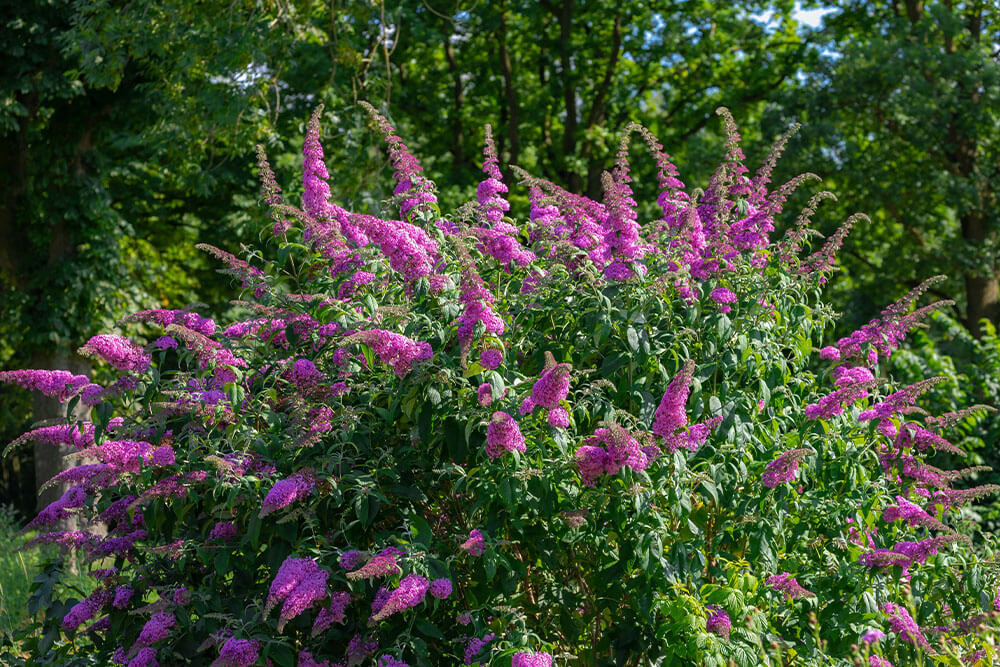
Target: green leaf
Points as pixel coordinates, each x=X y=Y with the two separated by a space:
x=633 y=339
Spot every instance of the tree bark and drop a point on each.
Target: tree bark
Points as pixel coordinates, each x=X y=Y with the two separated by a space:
x=982 y=289
x=49 y=459
x=572 y=179
x=457 y=97
x=510 y=94
x=595 y=167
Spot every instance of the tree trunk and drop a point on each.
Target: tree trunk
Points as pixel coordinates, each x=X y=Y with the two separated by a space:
x=510 y=94
x=982 y=290
x=49 y=459
x=457 y=96
x=572 y=180
x=595 y=165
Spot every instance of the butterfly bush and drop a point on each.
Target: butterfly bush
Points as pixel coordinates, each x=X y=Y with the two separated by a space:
x=585 y=432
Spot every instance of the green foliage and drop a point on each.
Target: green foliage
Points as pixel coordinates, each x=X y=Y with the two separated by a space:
x=900 y=116
x=325 y=434
x=30 y=578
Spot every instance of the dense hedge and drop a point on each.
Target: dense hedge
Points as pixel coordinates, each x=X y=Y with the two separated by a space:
x=576 y=438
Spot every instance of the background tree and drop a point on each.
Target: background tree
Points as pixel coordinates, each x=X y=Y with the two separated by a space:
x=902 y=116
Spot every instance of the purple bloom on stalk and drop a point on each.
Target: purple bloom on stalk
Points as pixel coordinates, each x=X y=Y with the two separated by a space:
x=552 y=387
x=123 y=594
x=238 y=653
x=490 y=191
x=531 y=660
x=358 y=649
x=417 y=189
x=391 y=661
x=381 y=597
x=409 y=249
x=156 y=628
x=120 y=352
x=54 y=384
x=724 y=297
x=476 y=645
x=165 y=343
x=440 y=588
x=830 y=353
x=223 y=531
x=623 y=449
x=592 y=462
x=477 y=301
x=621 y=238
x=73 y=499
x=876 y=661
x=844 y=376
x=491 y=359
x=311 y=588
x=316 y=190
x=670 y=414
x=163 y=456
x=559 y=417
x=292 y=573
x=286 y=491
x=872 y=636
x=475 y=545
x=411 y=592
x=79 y=437
x=305 y=376
x=911 y=513
x=145 y=657
x=333 y=614
x=382 y=565
x=786 y=583
x=503 y=436
x=85 y=609
x=395 y=350
x=485 y=394
x=903 y=625
x=349 y=559
x=123 y=455
x=182 y=596
x=718 y=621
x=783 y=468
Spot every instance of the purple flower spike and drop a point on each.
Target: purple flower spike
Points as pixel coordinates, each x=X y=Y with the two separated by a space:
x=238 y=653
x=120 y=352
x=503 y=436
x=718 y=621
x=531 y=660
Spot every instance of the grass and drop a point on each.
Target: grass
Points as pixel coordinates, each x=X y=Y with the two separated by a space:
x=18 y=570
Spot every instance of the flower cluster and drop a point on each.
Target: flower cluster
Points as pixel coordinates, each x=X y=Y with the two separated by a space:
x=238 y=653
x=476 y=544
x=786 y=583
x=718 y=621
x=299 y=583
x=410 y=592
x=503 y=436
x=395 y=350
x=120 y=352
x=525 y=659
x=267 y=465
x=416 y=190
x=783 y=468
x=287 y=491
x=54 y=384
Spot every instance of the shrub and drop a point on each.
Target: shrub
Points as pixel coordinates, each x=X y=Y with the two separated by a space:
x=467 y=439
